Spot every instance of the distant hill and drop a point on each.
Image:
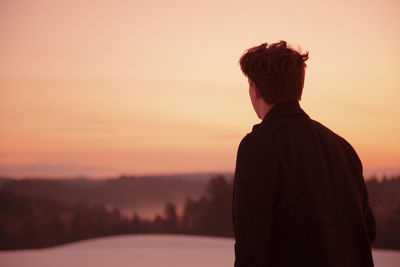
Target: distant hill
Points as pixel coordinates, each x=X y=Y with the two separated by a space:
x=384 y=197
x=37 y=222
x=4 y=180
x=144 y=195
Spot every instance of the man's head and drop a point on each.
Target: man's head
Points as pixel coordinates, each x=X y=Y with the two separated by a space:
x=276 y=71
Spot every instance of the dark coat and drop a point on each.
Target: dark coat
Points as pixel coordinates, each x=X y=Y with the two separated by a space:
x=299 y=196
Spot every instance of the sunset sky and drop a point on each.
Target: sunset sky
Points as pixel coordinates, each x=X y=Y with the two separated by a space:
x=103 y=88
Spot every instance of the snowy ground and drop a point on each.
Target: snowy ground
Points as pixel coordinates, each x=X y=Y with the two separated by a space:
x=145 y=251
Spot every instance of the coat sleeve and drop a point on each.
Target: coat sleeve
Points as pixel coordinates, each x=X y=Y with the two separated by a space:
x=369 y=218
x=254 y=197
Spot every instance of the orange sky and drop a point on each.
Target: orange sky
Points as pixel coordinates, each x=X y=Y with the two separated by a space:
x=138 y=87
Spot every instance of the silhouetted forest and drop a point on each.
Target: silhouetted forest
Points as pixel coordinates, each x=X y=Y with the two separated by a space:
x=127 y=193
x=35 y=222
x=385 y=203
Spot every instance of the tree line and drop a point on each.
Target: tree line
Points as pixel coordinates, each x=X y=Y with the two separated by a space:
x=32 y=222
x=37 y=222
x=384 y=198
x=124 y=192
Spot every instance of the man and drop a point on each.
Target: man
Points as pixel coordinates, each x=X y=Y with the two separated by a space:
x=299 y=194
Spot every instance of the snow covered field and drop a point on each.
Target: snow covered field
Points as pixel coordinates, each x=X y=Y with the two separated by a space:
x=145 y=251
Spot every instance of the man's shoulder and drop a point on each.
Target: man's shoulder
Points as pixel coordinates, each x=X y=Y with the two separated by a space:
x=280 y=131
x=337 y=139
x=328 y=132
x=325 y=130
x=255 y=141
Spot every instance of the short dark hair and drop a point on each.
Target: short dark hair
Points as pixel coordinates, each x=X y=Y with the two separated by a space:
x=277 y=69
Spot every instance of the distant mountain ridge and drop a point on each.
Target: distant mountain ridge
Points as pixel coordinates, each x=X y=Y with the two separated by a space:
x=130 y=193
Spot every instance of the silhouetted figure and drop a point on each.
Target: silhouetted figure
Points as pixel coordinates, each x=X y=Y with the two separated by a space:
x=299 y=194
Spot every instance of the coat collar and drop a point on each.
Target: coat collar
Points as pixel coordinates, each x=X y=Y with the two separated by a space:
x=283 y=110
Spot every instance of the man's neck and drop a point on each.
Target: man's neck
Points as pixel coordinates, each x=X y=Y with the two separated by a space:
x=264 y=109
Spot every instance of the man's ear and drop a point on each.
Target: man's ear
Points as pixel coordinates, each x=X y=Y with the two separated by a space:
x=256 y=90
